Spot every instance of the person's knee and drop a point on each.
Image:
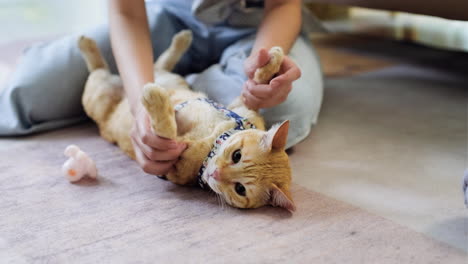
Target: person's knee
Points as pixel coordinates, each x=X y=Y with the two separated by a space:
x=45 y=87
x=307 y=92
x=301 y=108
x=301 y=120
x=52 y=70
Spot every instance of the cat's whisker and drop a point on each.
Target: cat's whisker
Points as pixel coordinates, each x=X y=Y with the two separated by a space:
x=218 y=198
x=221 y=201
x=215 y=195
x=221 y=204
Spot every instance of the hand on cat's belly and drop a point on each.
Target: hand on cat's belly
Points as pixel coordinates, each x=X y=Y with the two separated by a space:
x=155 y=155
x=257 y=96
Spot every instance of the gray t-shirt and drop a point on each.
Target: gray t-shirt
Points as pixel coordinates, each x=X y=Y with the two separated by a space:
x=237 y=13
x=233 y=12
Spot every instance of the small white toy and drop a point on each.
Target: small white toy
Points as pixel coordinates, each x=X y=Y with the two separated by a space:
x=78 y=165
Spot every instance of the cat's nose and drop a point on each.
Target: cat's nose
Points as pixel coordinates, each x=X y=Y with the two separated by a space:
x=216 y=175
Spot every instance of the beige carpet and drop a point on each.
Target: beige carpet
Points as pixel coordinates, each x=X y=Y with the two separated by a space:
x=131 y=217
x=392 y=140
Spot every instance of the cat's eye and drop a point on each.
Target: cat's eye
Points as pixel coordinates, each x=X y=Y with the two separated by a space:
x=236 y=156
x=240 y=189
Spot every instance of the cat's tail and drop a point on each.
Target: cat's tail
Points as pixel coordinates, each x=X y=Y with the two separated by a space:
x=170 y=57
x=160 y=109
x=91 y=54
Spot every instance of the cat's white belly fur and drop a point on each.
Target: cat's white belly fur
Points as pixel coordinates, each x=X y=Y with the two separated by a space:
x=199 y=119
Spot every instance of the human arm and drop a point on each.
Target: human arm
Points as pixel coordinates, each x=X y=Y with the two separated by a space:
x=131 y=46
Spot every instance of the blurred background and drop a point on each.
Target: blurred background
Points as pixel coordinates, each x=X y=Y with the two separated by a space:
x=24 y=22
x=30 y=19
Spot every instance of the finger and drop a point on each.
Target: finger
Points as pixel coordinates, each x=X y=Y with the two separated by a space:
x=279 y=97
x=152 y=167
x=254 y=102
x=172 y=154
x=261 y=91
x=289 y=70
x=251 y=101
x=258 y=60
x=280 y=85
x=157 y=142
x=159 y=168
x=151 y=139
x=160 y=155
x=282 y=95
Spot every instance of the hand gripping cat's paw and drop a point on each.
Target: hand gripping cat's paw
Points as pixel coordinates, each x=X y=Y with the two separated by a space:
x=160 y=109
x=264 y=74
x=78 y=165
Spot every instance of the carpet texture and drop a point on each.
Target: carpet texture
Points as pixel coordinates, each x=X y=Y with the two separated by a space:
x=393 y=140
x=130 y=217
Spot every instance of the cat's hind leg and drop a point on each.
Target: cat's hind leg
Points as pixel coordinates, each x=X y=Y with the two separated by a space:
x=179 y=45
x=91 y=54
x=103 y=90
x=160 y=109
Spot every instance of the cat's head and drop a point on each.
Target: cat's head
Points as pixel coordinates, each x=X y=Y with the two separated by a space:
x=251 y=169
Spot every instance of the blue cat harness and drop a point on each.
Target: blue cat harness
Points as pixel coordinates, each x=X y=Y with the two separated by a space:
x=242 y=123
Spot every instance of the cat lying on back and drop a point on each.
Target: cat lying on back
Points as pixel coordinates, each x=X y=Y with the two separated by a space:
x=228 y=150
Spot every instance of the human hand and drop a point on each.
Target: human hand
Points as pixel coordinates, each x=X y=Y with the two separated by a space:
x=155 y=155
x=256 y=95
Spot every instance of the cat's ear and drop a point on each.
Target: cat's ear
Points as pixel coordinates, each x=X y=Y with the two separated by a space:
x=282 y=198
x=277 y=136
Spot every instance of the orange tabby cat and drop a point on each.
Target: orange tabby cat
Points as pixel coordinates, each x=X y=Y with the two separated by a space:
x=228 y=150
